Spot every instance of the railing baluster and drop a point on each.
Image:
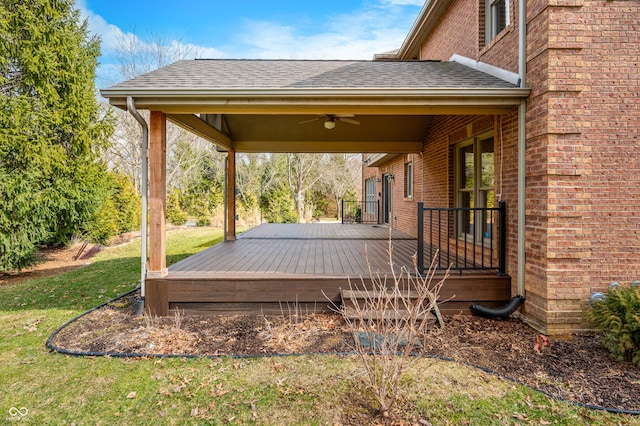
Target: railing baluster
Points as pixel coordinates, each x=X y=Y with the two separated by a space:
x=420 y=238
x=502 y=229
x=467 y=252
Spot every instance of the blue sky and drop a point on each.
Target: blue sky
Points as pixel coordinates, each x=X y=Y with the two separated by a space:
x=267 y=29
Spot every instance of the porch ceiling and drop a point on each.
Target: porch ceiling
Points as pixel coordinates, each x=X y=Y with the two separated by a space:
x=258 y=105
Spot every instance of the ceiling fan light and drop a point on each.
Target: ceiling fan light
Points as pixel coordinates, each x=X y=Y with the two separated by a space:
x=329 y=124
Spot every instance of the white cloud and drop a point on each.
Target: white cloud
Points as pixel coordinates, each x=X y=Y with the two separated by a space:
x=379 y=26
x=109 y=33
x=345 y=36
x=404 y=2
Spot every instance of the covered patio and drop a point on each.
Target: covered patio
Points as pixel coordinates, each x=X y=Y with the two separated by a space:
x=377 y=107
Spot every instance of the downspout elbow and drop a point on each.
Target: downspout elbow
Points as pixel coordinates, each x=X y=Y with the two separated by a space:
x=502 y=312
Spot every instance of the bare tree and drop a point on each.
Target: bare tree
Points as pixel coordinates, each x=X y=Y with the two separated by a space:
x=390 y=320
x=302 y=175
x=135 y=57
x=342 y=176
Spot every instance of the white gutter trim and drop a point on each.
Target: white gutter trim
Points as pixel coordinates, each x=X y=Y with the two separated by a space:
x=143 y=191
x=494 y=71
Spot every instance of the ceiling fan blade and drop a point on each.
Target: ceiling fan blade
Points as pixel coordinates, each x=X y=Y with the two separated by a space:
x=309 y=121
x=348 y=120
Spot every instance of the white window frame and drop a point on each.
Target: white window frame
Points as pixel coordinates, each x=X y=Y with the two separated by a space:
x=370 y=195
x=408 y=179
x=477 y=233
x=493 y=22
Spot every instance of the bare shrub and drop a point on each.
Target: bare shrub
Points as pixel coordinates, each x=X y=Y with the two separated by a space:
x=389 y=319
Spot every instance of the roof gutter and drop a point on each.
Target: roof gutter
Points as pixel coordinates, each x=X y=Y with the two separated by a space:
x=143 y=191
x=318 y=92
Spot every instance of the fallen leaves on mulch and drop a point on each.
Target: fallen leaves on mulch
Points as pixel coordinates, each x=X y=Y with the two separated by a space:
x=576 y=367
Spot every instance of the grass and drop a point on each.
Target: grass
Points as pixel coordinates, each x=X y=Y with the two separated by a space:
x=43 y=388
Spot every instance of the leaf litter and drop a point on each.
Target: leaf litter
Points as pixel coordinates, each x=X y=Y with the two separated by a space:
x=574 y=367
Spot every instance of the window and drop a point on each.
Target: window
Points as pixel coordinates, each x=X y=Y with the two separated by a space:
x=496 y=18
x=370 y=195
x=408 y=180
x=474 y=172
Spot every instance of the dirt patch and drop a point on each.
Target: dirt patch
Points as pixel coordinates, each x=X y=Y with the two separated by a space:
x=52 y=261
x=115 y=329
x=576 y=368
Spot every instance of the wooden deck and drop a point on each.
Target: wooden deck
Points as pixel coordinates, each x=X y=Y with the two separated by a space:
x=276 y=266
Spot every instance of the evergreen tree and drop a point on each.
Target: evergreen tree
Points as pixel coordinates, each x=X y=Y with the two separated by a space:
x=51 y=128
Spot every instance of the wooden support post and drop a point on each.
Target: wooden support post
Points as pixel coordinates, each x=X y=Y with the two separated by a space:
x=157 y=194
x=230 y=232
x=157 y=299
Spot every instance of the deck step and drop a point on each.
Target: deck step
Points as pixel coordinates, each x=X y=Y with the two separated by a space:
x=356 y=298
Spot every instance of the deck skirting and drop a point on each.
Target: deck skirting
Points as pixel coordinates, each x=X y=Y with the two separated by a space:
x=244 y=295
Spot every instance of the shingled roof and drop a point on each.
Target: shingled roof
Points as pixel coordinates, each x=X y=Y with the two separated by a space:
x=270 y=105
x=215 y=74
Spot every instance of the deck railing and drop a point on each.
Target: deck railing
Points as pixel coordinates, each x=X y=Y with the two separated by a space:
x=465 y=239
x=360 y=211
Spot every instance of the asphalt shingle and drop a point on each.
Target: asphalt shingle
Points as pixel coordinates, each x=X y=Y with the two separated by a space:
x=221 y=74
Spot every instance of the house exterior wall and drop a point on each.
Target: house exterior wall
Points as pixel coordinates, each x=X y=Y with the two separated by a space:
x=582 y=162
x=460 y=19
x=582 y=133
x=433 y=175
x=583 y=167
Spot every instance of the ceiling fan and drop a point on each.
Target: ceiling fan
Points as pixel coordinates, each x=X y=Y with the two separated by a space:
x=330 y=120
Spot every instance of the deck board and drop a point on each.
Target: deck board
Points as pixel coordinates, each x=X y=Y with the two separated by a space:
x=296 y=250
x=300 y=262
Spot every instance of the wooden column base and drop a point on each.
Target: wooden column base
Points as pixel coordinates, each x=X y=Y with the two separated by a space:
x=156 y=301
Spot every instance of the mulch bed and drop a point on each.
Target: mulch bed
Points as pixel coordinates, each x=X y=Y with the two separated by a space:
x=576 y=368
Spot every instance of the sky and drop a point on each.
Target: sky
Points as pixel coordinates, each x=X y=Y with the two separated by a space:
x=241 y=29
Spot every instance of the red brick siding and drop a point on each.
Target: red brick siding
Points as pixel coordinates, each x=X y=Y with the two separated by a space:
x=457 y=32
x=583 y=167
x=433 y=175
x=465 y=21
x=582 y=161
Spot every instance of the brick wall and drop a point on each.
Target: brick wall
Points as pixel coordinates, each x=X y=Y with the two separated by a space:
x=583 y=164
x=461 y=31
x=461 y=19
x=583 y=167
x=433 y=175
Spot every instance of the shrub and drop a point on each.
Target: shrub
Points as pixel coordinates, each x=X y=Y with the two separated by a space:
x=127 y=202
x=390 y=323
x=203 y=221
x=618 y=316
x=104 y=225
x=175 y=214
x=120 y=212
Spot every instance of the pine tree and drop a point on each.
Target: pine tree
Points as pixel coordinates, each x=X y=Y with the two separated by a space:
x=51 y=128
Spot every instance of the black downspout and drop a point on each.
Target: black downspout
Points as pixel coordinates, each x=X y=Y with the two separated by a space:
x=502 y=312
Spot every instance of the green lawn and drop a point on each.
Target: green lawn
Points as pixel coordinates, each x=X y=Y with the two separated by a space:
x=39 y=387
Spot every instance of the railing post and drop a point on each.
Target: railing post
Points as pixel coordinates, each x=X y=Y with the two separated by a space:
x=502 y=267
x=342 y=210
x=420 y=254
